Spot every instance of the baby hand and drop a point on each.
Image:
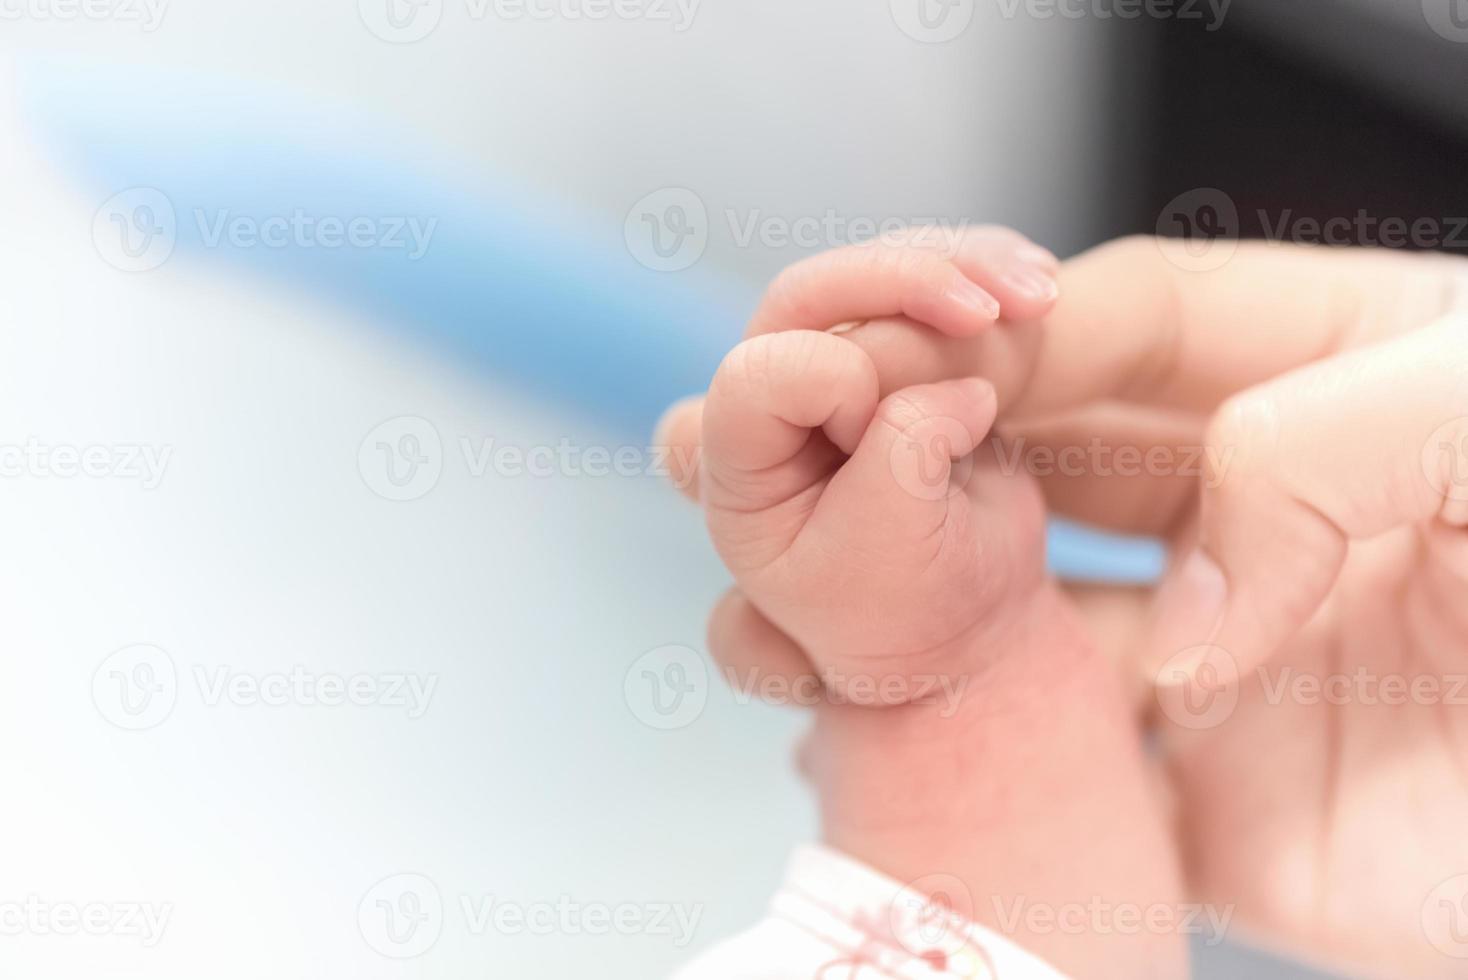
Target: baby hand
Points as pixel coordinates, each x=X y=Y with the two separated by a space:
x=869 y=529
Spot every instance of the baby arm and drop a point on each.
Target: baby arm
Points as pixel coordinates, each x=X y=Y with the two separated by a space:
x=886 y=545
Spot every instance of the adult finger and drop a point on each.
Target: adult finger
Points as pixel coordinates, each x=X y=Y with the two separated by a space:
x=1343 y=450
x=1133 y=326
x=1130 y=469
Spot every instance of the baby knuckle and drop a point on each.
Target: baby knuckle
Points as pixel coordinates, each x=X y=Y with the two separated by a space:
x=793 y=290
x=1000 y=234
x=925 y=283
x=740 y=368
x=928 y=238
x=903 y=263
x=901 y=411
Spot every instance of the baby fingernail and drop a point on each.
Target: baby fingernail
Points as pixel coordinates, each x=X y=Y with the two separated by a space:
x=970 y=296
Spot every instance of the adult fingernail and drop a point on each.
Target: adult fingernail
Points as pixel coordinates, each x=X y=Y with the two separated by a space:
x=1189 y=609
x=971 y=297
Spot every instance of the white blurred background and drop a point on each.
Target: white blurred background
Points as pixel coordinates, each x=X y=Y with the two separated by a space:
x=535 y=773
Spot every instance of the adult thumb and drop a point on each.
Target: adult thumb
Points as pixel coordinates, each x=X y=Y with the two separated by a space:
x=1296 y=469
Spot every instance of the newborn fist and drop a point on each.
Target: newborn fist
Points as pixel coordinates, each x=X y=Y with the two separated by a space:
x=883 y=535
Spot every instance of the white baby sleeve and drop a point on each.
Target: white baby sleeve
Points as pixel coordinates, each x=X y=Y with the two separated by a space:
x=836 y=919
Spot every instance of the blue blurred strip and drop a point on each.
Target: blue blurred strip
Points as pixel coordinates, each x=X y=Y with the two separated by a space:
x=1081 y=554
x=512 y=284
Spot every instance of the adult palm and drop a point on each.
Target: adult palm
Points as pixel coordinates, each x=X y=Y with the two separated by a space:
x=1311 y=644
